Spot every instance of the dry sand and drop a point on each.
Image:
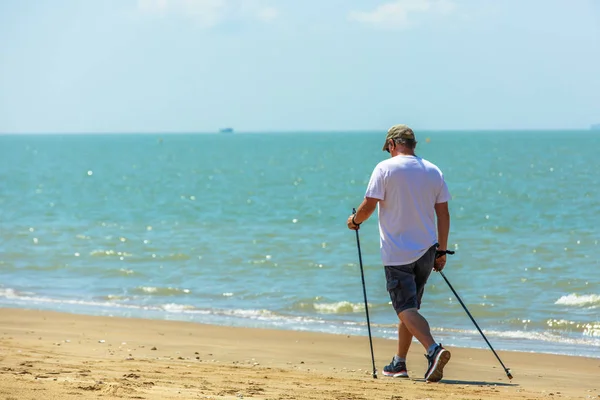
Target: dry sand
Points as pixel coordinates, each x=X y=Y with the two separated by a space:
x=49 y=355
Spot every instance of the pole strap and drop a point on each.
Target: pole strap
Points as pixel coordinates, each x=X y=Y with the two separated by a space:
x=439 y=253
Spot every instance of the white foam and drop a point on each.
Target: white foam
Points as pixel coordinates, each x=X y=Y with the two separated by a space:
x=126 y=271
x=254 y=314
x=111 y=302
x=164 y=291
x=177 y=308
x=338 y=307
x=579 y=300
x=171 y=308
x=9 y=293
x=544 y=336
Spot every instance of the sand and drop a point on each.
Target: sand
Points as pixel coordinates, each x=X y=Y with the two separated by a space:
x=50 y=355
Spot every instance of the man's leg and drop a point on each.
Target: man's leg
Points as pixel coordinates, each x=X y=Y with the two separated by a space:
x=415 y=325
x=397 y=368
x=404 y=340
x=437 y=356
x=406 y=284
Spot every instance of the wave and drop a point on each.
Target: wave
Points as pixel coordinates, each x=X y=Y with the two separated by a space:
x=10 y=293
x=116 y=297
x=591 y=329
x=113 y=302
x=340 y=307
x=116 y=301
x=144 y=257
x=516 y=335
x=110 y=253
x=160 y=291
x=592 y=300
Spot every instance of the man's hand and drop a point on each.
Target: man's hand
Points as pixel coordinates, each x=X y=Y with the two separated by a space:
x=439 y=263
x=351 y=224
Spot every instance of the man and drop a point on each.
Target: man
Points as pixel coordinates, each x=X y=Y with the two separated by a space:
x=411 y=193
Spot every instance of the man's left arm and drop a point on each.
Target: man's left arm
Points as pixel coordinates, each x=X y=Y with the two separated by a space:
x=364 y=211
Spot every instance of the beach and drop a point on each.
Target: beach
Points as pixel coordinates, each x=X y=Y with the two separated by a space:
x=69 y=356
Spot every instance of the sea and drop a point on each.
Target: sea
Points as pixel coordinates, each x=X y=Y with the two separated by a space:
x=249 y=229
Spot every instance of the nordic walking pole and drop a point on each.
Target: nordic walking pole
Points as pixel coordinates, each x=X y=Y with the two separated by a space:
x=507 y=370
x=362 y=275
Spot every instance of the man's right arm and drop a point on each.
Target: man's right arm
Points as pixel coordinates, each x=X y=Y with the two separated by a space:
x=443 y=224
x=443 y=229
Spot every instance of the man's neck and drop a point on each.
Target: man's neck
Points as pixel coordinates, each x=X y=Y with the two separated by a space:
x=402 y=150
x=404 y=153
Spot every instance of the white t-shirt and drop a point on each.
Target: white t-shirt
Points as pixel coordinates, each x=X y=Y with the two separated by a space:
x=408 y=188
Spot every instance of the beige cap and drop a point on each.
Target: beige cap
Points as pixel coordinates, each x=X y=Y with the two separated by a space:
x=402 y=132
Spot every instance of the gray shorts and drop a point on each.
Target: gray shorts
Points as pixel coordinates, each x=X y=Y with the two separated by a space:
x=406 y=283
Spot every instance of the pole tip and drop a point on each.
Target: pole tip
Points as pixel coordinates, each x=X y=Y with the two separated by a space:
x=509 y=374
x=375 y=375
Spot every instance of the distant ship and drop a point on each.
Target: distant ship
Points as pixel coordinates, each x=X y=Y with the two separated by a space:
x=226 y=130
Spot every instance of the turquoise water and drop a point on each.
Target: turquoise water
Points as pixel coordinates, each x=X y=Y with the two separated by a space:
x=249 y=230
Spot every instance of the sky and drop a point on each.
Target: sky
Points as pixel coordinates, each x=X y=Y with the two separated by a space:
x=289 y=65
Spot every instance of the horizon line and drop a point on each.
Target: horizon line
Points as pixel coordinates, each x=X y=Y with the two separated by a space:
x=217 y=132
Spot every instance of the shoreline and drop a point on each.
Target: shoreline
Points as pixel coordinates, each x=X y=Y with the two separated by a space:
x=79 y=356
x=452 y=337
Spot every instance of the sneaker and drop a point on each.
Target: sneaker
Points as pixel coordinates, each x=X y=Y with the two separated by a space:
x=395 y=370
x=437 y=361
